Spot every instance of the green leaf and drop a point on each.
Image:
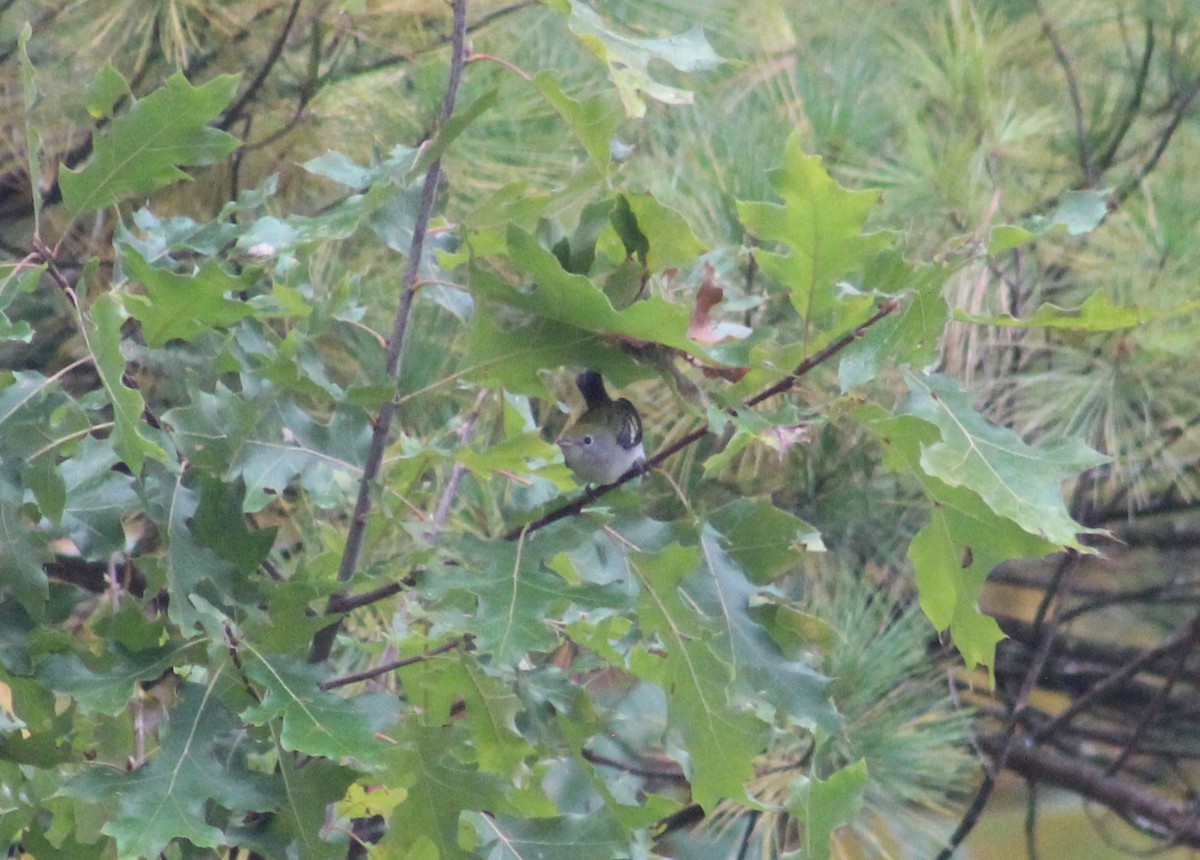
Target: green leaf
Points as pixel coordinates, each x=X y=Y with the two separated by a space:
x=508 y=455
x=268 y=441
x=719 y=736
x=1005 y=237
x=1097 y=313
x=563 y=837
x=764 y=540
x=441 y=785
x=908 y=335
x=517 y=597
x=1018 y=482
x=299 y=827
x=99 y=496
x=628 y=59
x=192 y=569
x=106 y=684
x=21 y=279
x=961 y=544
x=28 y=403
x=821 y=223
x=1078 y=211
x=131 y=437
x=23 y=551
x=513 y=356
x=761 y=673
x=825 y=805
x=575 y=301
x=44 y=479
x=481 y=696
x=166 y=799
x=952 y=557
x=182 y=307
x=316 y=722
x=144 y=150
x=16 y=623
x=492 y=708
x=670 y=240
x=218 y=523
x=340 y=168
x=593 y=120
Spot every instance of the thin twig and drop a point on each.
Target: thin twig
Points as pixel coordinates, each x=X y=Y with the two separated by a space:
x=323 y=641
x=393 y=665
x=1060 y=53
x=1031 y=850
x=1184 y=638
x=1150 y=714
x=234 y=111
x=1164 y=138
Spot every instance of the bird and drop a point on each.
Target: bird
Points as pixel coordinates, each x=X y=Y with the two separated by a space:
x=605 y=441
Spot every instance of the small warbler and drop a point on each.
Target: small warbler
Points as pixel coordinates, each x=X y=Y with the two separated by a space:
x=606 y=441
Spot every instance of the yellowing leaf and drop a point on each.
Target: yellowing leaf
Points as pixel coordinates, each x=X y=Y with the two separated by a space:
x=821 y=224
x=1097 y=313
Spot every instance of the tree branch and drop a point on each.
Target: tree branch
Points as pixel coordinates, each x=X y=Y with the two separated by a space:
x=393 y=665
x=323 y=641
x=1131 y=800
x=1183 y=639
x=1135 y=102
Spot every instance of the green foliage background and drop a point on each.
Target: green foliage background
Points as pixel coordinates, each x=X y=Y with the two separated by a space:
x=206 y=222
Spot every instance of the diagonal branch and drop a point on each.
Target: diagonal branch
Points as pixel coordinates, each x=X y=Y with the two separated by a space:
x=1183 y=102
x=393 y=665
x=1185 y=638
x=234 y=112
x=323 y=642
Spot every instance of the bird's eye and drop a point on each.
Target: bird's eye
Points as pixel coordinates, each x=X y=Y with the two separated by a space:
x=588 y=440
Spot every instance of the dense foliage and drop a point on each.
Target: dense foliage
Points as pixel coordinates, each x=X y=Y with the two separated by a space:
x=290 y=562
